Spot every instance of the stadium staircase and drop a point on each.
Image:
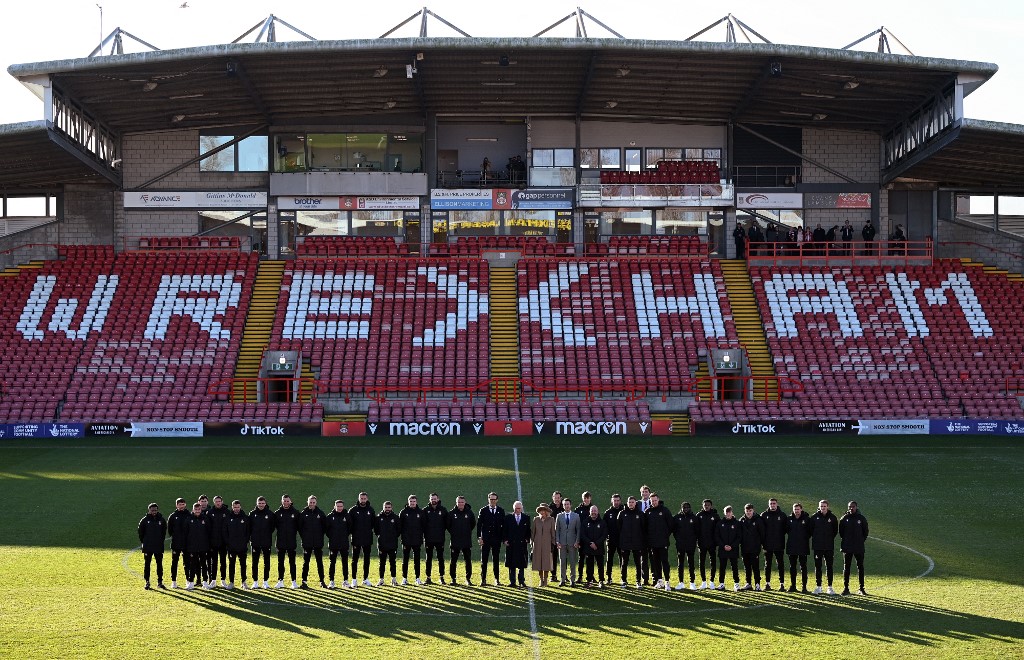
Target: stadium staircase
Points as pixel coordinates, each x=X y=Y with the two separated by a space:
x=14 y=271
x=258 y=326
x=680 y=421
x=749 y=326
x=504 y=329
x=992 y=270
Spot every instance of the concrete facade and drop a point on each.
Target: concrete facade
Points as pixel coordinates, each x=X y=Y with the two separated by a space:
x=854 y=154
x=1003 y=250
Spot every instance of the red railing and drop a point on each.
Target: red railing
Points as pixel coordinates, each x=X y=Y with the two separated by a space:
x=828 y=254
x=228 y=389
x=1012 y=255
x=748 y=385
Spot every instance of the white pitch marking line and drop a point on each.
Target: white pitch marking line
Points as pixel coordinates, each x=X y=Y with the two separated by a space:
x=529 y=592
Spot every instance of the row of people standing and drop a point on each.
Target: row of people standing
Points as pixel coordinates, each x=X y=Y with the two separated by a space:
x=783 y=240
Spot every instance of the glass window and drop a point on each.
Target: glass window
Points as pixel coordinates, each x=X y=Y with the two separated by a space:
x=29 y=207
x=976 y=209
x=681 y=222
x=611 y=159
x=405 y=152
x=627 y=223
x=653 y=156
x=346 y=151
x=252 y=154
x=563 y=158
x=473 y=223
x=289 y=153
x=322 y=223
x=1011 y=214
x=632 y=160
x=673 y=154
x=530 y=223
x=543 y=157
x=713 y=154
x=694 y=154
x=377 y=223
x=222 y=161
x=252 y=230
x=588 y=159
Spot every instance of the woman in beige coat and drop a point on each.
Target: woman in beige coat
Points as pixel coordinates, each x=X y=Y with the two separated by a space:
x=542 y=536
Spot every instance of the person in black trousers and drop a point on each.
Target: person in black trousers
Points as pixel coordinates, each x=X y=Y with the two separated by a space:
x=798 y=544
x=775 y=527
x=868 y=234
x=853 y=530
x=593 y=534
x=412 y=519
x=197 y=544
x=659 y=531
x=685 y=530
x=152 y=532
x=218 y=514
x=611 y=523
x=824 y=527
x=556 y=507
x=177 y=528
x=263 y=523
x=338 y=532
x=286 y=520
x=435 y=518
x=847 y=235
x=583 y=511
x=237 y=531
x=517 y=545
x=752 y=528
x=728 y=536
x=363 y=519
x=707 y=523
x=461 y=522
x=631 y=540
x=312 y=524
x=490 y=525
x=388 y=529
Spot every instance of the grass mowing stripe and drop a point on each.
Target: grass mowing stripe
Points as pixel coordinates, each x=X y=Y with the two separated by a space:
x=529 y=592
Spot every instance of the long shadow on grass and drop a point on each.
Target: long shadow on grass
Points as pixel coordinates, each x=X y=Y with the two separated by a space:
x=500 y=614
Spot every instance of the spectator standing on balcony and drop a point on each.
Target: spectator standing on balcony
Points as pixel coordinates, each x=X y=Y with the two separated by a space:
x=868 y=235
x=485 y=170
x=853 y=530
x=830 y=238
x=805 y=241
x=739 y=236
x=819 y=236
x=847 y=234
x=756 y=238
x=792 y=240
x=899 y=241
x=771 y=237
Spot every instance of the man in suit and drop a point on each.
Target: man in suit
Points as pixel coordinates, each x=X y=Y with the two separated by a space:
x=490 y=526
x=516 y=535
x=567 y=538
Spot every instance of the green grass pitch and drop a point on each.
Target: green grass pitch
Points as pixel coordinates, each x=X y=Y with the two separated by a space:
x=944 y=561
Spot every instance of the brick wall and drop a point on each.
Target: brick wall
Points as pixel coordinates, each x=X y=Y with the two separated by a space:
x=855 y=154
x=89 y=217
x=956 y=232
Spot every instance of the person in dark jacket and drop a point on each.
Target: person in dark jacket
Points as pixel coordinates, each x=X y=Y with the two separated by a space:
x=362 y=519
x=177 y=528
x=593 y=535
x=631 y=540
x=338 y=529
x=818 y=237
x=461 y=522
x=516 y=537
x=728 y=536
x=583 y=511
x=830 y=240
x=286 y=521
x=685 y=530
x=556 y=507
x=739 y=237
x=388 y=529
x=659 y=531
x=218 y=515
x=798 y=544
x=412 y=521
x=263 y=523
x=435 y=524
x=197 y=544
x=312 y=525
x=824 y=527
x=846 y=233
x=775 y=526
x=752 y=528
x=152 y=532
x=611 y=523
x=707 y=522
x=490 y=525
x=237 y=531
x=868 y=234
x=853 y=530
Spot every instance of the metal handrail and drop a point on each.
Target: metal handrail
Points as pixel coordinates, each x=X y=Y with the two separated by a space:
x=825 y=254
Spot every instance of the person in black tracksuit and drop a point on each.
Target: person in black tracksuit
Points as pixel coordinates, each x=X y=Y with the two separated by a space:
x=490 y=530
x=388 y=529
x=659 y=530
x=338 y=533
x=685 y=528
x=237 y=531
x=583 y=511
x=435 y=524
x=752 y=528
x=824 y=528
x=593 y=535
x=197 y=544
x=631 y=539
x=707 y=522
x=218 y=515
x=556 y=507
x=798 y=544
x=611 y=523
x=177 y=528
x=287 y=524
x=363 y=518
x=152 y=532
x=207 y=559
x=412 y=520
x=728 y=536
x=461 y=522
x=775 y=526
x=263 y=523
x=312 y=524
x=853 y=530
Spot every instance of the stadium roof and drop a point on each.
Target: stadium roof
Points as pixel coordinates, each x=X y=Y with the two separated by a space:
x=983 y=154
x=34 y=159
x=620 y=79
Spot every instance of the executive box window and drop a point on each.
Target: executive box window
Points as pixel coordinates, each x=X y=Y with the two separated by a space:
x=251 y=228
x=627 y=223
x=552 y=158
x=378 y=223
x=248 y=155
x=348 y=152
